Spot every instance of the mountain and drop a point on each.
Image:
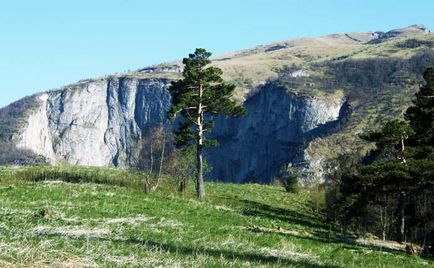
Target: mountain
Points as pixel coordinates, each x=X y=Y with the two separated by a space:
x=307 y=100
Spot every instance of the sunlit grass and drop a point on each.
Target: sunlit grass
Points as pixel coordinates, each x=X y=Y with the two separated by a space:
x=97 y=223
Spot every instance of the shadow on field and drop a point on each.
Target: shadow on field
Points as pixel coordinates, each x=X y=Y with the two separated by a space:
x=319 y=231
x=344 y=242
x=215 y=253
x=253 y=208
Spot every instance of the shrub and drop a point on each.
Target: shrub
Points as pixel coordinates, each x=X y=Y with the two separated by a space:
x=291 y=183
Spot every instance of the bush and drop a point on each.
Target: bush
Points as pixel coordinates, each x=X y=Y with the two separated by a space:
x=291 y=183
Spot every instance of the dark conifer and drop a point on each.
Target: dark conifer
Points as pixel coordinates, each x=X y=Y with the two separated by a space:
x=199 y=96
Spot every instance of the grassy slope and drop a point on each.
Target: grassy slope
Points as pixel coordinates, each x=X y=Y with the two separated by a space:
x=390 y=101
x=111 y=226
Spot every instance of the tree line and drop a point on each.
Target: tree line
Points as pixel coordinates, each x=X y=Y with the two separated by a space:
x=391 y=194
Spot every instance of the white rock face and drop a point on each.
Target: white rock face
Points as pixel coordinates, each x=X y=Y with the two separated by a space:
x=97 y=123
x=79 y=121
x=299 y=73
x=319 y=111
x=37 y=135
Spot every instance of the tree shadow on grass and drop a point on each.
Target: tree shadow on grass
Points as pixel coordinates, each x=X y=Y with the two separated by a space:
x=319 y=231
x=345 y=241
x=253 y=208
x=341 y=241
x=214 y=253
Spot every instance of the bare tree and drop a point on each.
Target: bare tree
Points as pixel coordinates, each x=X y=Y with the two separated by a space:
x=152 y=154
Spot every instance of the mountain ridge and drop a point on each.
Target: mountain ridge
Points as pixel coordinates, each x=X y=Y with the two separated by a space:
x=176 y=66
x=322 y=70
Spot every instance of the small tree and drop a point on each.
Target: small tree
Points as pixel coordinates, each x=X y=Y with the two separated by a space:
x=289 y=177
x=153 y=151
x=181 y=167
x=290 y=182
x=197 y=97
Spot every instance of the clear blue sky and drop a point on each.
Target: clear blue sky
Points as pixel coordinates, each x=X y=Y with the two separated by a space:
x=46 y=44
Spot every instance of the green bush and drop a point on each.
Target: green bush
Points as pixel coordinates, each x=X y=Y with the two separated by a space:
x=291 y=183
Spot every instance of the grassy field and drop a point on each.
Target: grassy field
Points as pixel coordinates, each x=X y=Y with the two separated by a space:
x=84 y=217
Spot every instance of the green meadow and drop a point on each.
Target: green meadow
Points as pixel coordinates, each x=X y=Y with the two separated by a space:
x=92 y=217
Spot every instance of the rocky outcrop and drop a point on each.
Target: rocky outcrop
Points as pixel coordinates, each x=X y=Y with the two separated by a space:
x=36 y=134
x=275 y=132
x=409 y=31
x=100 y=123
x=96 y=123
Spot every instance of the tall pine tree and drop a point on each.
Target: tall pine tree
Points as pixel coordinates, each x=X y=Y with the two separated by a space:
x=197 y=97
x=421 y=113
x=421 y=118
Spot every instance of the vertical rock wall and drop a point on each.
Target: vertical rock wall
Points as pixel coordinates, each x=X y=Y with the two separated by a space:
x=97 y=123
x=275 y=131
x=100 y=123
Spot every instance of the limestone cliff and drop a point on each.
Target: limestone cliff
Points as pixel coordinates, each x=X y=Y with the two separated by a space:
x=100 y=122
x=95 y=123
x=275 y=132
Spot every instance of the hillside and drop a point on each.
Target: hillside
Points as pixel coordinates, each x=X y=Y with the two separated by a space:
x=84 y=218
x=314 y=95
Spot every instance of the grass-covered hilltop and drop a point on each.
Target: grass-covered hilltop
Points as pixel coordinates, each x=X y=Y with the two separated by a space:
x=95 y=217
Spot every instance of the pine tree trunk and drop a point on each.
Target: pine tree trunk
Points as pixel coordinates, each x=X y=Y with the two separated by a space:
x=401 y=203
x=383 y=216
x=200 y=188
x=402 y=150
x=401 y=218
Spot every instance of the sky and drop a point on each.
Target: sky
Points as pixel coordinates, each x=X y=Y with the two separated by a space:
x=46 y=44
